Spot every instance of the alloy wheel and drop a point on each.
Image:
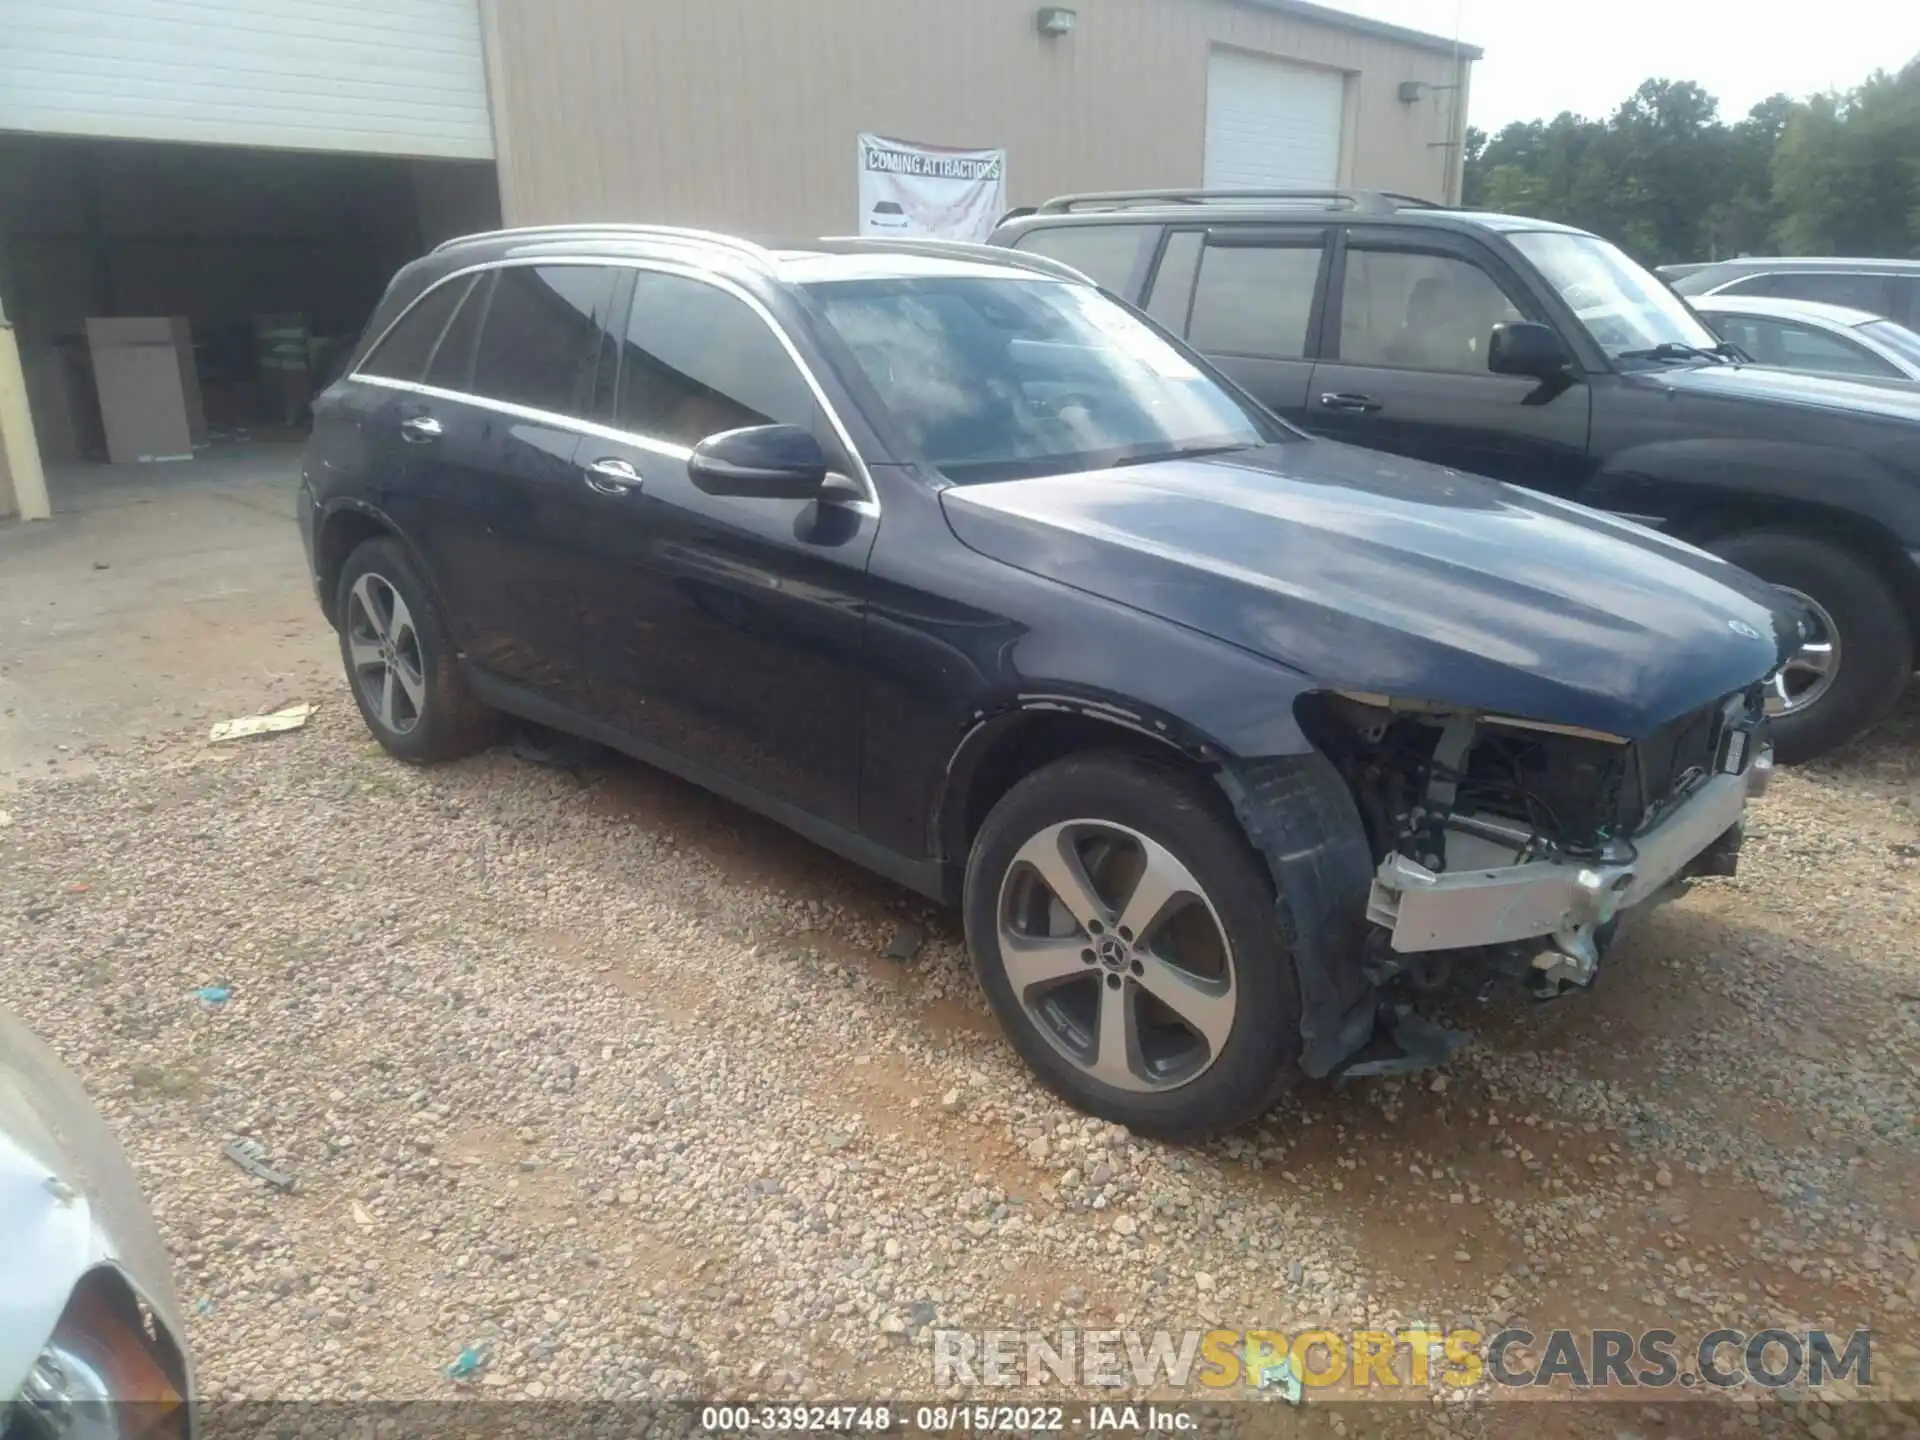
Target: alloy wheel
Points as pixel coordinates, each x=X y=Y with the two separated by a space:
x=1116 y=955
x=383 y=650
x=1810 y=674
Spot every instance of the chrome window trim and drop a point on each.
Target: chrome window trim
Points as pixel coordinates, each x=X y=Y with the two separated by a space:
x=538 y=416
x=608 y=432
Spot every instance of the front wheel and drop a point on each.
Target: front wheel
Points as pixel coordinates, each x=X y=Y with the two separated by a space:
x=1852 y=669
x=1124 y=932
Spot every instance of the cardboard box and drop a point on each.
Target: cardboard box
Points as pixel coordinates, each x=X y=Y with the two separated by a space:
x=149 y=390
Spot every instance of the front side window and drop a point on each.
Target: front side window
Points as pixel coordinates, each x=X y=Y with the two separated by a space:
x=404 y=351
x=1001 y=379
x=1418 y=311
x=540 y=343
x=1624 y=307
x=1254 y=300
x=697 y=361
x=1108 y=255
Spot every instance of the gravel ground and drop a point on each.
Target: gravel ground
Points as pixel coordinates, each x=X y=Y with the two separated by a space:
x=616 y=1087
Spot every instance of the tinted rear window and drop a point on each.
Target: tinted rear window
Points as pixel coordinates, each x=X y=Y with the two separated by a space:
x=1112 y=256
x=540 y=346
x=1255 y=300
x=405 y=350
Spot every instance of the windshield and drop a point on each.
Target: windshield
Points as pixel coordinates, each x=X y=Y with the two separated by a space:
x=1897 y=338
x=995 y=378
x=1624 y=306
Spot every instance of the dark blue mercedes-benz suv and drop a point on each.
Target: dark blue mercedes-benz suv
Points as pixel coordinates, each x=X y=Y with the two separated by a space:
x=951 y=562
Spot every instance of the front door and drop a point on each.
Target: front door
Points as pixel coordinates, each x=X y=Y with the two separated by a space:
x=736 y=640
x=1405 y=366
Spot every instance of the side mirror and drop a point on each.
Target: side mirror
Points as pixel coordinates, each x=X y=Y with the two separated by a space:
x=763 y=462
x=1520 y=347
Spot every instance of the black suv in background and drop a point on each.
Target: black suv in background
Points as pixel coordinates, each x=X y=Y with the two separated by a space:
x=952 y=563
x=1544 y=356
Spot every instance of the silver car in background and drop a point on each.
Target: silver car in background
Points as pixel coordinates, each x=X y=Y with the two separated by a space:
x=91 y=1339
x=1880 y=286
x=1815 y=338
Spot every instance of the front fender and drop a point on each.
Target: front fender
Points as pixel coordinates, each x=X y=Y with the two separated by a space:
x=1681 y=479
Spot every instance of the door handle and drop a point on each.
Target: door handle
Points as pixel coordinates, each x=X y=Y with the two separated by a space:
x=1349 y=404
x=612 y=477
x=420 y=429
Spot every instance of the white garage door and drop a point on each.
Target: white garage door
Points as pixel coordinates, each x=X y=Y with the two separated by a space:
x=390 y=77
x=1271 y=124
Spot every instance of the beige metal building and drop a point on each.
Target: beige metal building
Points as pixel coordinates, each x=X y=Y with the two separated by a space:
x=258 y=170
x=744 y=113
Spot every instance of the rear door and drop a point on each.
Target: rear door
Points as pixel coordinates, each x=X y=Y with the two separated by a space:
x=493 y=492
x=1409 y=319
x=1249 y=298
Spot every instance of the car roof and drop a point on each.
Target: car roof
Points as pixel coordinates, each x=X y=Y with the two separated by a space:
x=1217 y=207
x=1817 y=310
x=792 y=261
x=1873 y=265
x=807 y=265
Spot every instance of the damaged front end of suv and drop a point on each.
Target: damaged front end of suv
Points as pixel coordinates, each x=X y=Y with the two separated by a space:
x=1526 y=843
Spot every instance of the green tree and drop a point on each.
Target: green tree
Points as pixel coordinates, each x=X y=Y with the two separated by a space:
x=1668 y=179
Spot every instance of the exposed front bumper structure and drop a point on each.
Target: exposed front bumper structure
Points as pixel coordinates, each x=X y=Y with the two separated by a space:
x=1561 y=901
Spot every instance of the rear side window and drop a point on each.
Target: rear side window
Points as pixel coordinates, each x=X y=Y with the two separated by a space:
x=540 y=344
x=1872 y=293
x=1906 y=300
x=403 y=353
x=1173 y=281
x=697 y=361
x=1111 y=256
x=451 y=367
x=1255 y=300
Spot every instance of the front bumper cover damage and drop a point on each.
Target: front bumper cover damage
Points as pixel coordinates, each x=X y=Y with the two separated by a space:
x=1352 y=927
x=1565 y=908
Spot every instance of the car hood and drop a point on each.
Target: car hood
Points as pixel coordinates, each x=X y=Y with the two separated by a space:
x=1771 y=387
x=69 y=1204
x=1372 y=573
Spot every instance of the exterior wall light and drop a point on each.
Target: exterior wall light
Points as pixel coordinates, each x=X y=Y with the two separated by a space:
x=1054 y=20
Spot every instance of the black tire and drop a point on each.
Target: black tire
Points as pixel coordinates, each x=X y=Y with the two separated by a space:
x=1260 y=1056
x=449 y=722
x=1876 y=640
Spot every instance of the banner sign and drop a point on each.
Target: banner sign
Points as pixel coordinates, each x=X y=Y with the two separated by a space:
x=927 y=190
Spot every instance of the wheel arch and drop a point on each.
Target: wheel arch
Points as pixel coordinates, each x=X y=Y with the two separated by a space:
x=1008 y=743
x=1722 y=519
x=1712 y=489
x=344 y=527
x=1294 y=810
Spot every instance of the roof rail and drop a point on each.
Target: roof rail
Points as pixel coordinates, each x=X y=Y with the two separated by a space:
x=960 y=250
x=1369 y=202
x=615 y=230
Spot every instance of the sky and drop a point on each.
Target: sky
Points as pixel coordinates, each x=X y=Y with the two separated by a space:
x=1545 y=56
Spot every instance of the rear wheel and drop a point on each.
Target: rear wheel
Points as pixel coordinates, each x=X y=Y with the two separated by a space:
x=400 y=662
x=1124 y=932
x=1851 y=670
